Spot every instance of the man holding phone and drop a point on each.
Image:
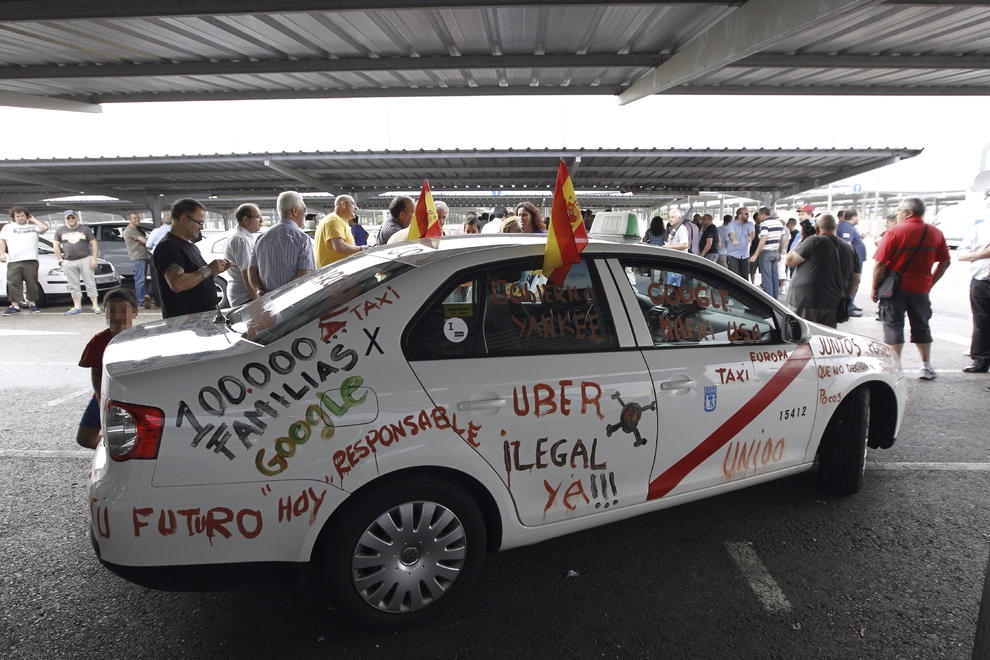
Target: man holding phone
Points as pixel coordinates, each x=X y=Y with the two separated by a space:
x=184 y=278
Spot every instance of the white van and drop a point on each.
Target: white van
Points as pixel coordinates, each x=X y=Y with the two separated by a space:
x=955 y=221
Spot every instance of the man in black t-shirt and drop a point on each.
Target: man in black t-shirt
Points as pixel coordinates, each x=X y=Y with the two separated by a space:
x=184 y=278
x=826 y=270
x=708 y=245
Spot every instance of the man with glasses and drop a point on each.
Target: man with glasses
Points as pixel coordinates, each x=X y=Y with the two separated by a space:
x=284 y=252
x=239 y=251
x=185 y=280
x=910 y=248
x=334 y=239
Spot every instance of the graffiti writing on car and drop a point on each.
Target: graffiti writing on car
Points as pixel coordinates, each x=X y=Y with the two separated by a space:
x=830 y=370
x=362 y=309
x=544 y=399
x=332 y=403
x=838 y=346
x=548 y=324
x=703 y=296
x=779 y=355
x=739 y=333
x=546 y=454
x=732 y=375
x=234 y=390
x=308 y=501
x=503 y=292
x=221 y=520
x=348 y=458
x=601 y=487
x=684 y=328
x=826 y=398
x=744 y=459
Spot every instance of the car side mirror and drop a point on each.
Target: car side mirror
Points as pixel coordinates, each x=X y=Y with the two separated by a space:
x=795 y=330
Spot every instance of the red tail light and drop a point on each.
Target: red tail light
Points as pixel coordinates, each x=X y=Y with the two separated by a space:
x=133 y=431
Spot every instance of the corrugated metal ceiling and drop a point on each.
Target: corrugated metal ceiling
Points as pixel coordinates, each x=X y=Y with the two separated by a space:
x=74 y=55
x=630 y=177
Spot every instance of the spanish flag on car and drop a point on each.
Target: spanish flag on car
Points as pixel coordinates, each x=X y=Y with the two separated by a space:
x=566 y=236
x=426 y=224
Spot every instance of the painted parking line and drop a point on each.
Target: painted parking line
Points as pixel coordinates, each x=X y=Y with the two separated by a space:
x=46 y=453
x=763 y=585
x=952 y=338
x=68 y=397
x=7 y=332
x=933 y=466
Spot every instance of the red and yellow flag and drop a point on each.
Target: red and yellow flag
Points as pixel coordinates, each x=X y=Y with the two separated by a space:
x=566 y=237
x=426 y=224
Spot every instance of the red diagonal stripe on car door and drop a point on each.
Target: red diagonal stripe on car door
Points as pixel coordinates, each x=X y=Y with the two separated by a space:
x=788 y=371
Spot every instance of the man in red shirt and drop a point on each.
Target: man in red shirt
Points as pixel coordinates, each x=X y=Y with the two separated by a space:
x=910 y=248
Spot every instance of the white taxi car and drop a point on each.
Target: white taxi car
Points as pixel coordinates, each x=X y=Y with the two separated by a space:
x=397 y=415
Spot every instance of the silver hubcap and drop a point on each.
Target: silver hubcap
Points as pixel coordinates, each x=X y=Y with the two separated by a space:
x=409 y=556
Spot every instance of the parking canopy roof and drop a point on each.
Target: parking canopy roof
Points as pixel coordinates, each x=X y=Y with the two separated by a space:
x=72 y=55
x=603 y=177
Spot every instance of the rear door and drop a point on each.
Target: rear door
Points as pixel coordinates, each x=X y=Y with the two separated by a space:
x=547 y=384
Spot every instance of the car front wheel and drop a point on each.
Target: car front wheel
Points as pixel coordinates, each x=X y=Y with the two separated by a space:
x=403 y=552
x=842 y=454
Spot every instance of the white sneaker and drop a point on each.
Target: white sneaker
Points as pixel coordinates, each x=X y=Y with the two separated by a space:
x=927 y=373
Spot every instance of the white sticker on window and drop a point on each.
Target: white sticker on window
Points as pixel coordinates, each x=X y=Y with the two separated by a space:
x=455 y=329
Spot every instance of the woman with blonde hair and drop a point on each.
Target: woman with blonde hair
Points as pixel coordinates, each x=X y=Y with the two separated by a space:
x=512 y=225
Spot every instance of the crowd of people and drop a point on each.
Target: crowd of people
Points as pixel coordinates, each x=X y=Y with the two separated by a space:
x=821 y=257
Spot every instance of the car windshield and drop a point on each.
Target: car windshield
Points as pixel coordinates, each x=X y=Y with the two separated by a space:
x=301 y=301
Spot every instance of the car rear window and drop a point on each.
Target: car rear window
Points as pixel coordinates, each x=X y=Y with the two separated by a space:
x=304 y=300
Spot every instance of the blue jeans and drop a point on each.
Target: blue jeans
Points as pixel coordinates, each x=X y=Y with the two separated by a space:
x=769 y=277
x=140 y=272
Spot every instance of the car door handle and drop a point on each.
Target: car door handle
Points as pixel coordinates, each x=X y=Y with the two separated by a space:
x=669 y=385
x=483 y=404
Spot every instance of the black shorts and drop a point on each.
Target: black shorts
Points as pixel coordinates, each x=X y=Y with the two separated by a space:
x=917 y=306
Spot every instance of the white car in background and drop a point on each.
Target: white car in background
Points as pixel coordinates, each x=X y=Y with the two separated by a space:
x=51 y=277
x=395 y=416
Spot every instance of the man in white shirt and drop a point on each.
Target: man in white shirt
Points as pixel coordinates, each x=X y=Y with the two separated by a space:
x=19 y=248
x=239 y=250
x=769 y=250
x=975 y=249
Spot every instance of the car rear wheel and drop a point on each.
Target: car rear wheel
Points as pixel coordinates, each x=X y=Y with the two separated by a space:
x=842 y=454
x=403 y=552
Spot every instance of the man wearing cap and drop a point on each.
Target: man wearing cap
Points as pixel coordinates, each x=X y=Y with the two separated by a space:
x=19 y=248
x=76 y=250
x=334 y=239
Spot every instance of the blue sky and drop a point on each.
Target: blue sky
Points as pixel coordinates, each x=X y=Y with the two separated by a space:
x=950 y=129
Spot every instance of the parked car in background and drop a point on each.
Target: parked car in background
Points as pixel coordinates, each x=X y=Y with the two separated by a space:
x=396 y=415
x=54 y=284
x=110 y=237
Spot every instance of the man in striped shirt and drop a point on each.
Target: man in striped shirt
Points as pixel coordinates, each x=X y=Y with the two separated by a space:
x=284 y=252
x=768 y=251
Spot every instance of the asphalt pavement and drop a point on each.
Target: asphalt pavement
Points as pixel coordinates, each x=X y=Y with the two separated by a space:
x=773 y=571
